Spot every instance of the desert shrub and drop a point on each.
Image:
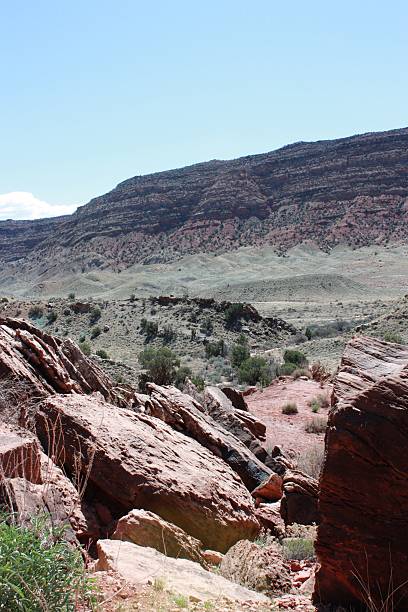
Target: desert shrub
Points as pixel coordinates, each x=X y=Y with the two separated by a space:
x=319 y=401
x=85 y=347
x=95 y=315
x=149 y=328
x=215 y=349
x=287 y=369
x=311 y=461
x=102 y=354
x=300 y=372
x=298 y=548
x=71 y=296
x=294 y=356
x=38 y=571
x=290 y=408
x=199 y=382
x=51 y=317
x=169 y=334
x=66 y=312
x=233 y=314
x=95 y=332
x=182 y=373
x=207 y=326
x=255 y=370
x=316 y=425
x=390 y=336
x=36 y=312
x=132 y=297
x=319 y=372
x=239 y=353
x=160 y=365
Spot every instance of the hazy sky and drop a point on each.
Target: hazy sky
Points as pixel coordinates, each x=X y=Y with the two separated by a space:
x=97 y=91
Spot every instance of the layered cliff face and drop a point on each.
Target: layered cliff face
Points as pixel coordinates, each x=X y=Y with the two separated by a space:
x=353 y=190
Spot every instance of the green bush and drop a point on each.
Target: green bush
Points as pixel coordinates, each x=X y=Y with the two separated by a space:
x=199 y=382
x=39 y=572
x=207 y=327
x=71 y=296
x=160 y=365
x=290 y=408
x=287 y=369
x=95 y=315
x=215 y=349
x=95 y=332
x=390 y=336
x=181 y=374
x=233 y=314
x=149 y=328
x=35 y=312
x=51 y=317
x=239 y=353
x=255 y=370
x=169 y=334
x=85 y=347
x=294 y=356
x=298 y=548
x=102 y=354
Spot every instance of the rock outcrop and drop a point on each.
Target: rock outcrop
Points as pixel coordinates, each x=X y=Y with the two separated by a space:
x=147 y=529
x=362 y=539
x=299 y=500
x=186 y=415
x=41 y=364
x=141 y=566
x=138 y=461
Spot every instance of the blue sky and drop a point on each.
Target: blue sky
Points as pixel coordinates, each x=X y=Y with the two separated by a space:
x=97 y=91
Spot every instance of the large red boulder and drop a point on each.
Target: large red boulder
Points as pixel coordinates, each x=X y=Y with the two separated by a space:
x=137 y=461
x=362 y=539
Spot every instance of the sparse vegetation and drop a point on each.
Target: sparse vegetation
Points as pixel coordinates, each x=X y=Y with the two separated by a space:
x=71 y=295
x=215 y=349
x=255 y=370
x=95 y=315
x=149 y=328
x=102 y=354
x=316 y=425
x=390 y=336
x=51 y=317
x=311 y=461
x=40 y=572
x=290 y=408
x=240 y=352
x=160 y=365
x=233 y=314
x=95 y=332
x=298 y=548
x=85 y=347
x=36 y=312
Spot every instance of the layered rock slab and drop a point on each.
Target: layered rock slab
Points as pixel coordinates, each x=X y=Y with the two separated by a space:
x=138 y=461
x=141 y=565
x=186 y=415
x=362 y=540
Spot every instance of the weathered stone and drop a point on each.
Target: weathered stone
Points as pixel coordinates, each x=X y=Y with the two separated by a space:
x=259 y=568
x=299 y=500
x=147 y=529
x=141 y=565
x=138 y=461
x=241 y=424
x=270 y=518
x=19 y=455
x=271 y=489
x=236 y=398
x=184 y=414
x=362 y=539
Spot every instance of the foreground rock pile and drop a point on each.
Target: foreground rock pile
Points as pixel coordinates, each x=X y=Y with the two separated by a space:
x=143 y=481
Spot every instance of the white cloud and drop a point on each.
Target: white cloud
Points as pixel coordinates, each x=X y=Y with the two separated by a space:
x=24 y=205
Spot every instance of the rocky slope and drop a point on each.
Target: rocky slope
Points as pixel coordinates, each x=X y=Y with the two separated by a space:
x=352 y=190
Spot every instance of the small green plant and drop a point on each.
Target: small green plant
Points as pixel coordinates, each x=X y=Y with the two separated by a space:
x=294 y=356
x=239 y=353
x=298 y=548
x=215 y=349
x=181 y=374
x=181 y=601
x=207 y=326
x=287 y=369
x=199 y=382
x=71 y=295
x=95 y=332
x=52 y=317
x=95 y=315
x=102 y=354
x=169 y=334
x=159 y=584
x=85 y=347
x=149 y=328
x=290 y=408
x=132 y=297
x=390 y=336
x=36 y=312
x=316 y=425
x=39 y=571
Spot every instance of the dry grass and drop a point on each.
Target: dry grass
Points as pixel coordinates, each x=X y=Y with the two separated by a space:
x=290 y=408
x=316 y=425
